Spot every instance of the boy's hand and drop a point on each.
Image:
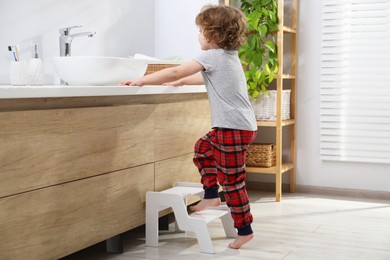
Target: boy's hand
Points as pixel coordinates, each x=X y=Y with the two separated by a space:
x=131 y=83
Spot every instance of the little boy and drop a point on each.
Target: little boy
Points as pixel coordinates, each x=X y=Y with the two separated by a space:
x=220 y=155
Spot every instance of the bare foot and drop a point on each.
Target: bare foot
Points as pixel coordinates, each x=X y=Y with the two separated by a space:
x=240 y=241
x=206 y=203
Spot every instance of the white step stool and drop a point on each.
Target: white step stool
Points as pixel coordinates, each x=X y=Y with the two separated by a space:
x=176 y=198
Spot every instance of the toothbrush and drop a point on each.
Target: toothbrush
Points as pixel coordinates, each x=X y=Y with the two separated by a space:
x=36 y=51
x=17 y=52
x=11 y=49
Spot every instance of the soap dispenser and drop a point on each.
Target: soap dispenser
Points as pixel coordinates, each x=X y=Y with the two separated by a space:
x=35 y=70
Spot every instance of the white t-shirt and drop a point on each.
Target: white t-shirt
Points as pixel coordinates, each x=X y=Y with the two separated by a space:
x=227 y=91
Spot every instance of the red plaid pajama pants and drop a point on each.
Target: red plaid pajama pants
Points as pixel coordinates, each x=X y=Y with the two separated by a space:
x=220 y=156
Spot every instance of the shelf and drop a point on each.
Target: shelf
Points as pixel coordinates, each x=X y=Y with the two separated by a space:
x=270 y=170
x=288 y=29
x=288 y=76
x=273 y=123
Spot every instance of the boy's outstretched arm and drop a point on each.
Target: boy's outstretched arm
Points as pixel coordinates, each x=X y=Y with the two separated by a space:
x=195 y=79
x=166 y=75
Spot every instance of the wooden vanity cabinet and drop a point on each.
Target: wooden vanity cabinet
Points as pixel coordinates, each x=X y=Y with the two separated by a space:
x=75 y=171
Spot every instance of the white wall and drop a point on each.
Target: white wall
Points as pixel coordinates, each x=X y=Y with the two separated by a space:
x=310 y=169
x=123 y=27
x=175 y=31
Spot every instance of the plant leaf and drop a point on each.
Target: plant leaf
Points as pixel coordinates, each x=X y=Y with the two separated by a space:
x=271 y=46
x=265 y=2
x=252 y=41
x=263 y=30
x=258 y=59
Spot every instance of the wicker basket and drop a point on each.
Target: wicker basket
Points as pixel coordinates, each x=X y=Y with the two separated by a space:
x=265 y=106
x=156 y=67
x=261 y=155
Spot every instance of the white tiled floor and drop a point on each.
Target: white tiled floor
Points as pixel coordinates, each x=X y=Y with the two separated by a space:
x=301 y=227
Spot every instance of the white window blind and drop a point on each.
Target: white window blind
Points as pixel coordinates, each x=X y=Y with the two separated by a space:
x=355 y=81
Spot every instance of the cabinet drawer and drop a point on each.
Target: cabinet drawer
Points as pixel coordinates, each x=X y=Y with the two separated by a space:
x=53 y=222
x=40 y=148
x=178 y=126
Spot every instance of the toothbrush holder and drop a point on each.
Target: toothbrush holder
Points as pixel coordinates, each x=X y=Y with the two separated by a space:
x=18 y=73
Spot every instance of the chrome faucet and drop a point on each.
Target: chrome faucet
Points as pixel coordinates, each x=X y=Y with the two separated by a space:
x=66 y=39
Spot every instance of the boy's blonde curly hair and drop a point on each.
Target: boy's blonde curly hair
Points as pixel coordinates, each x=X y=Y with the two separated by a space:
x=223 y=25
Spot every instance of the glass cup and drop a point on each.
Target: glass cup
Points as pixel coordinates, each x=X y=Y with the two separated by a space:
x=18 y=73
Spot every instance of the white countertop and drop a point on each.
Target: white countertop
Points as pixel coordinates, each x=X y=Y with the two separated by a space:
x=7 y=92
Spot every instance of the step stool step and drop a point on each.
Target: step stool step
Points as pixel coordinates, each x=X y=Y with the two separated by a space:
x=210 y=214
x=184 y=191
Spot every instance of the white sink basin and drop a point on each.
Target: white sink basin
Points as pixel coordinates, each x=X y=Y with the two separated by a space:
x=93 y=70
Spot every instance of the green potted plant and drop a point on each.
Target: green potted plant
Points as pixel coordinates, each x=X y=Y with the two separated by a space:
x=259 y=54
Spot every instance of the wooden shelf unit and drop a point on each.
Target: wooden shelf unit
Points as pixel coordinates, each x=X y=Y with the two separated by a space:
x=282 y=167
x=274 y=123
x=271 y=170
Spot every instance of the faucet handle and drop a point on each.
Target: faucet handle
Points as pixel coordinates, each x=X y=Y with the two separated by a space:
x=66 y=30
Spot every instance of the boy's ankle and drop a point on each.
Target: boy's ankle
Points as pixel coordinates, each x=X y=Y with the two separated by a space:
x=245 y=230
x=211 y=192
